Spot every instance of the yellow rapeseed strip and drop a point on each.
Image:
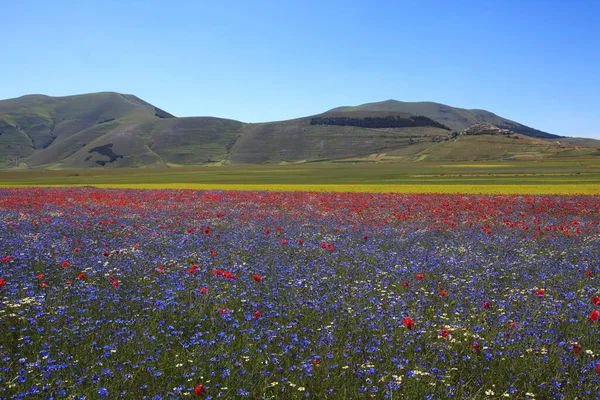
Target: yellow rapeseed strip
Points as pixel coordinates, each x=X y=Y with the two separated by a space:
x=374 y=188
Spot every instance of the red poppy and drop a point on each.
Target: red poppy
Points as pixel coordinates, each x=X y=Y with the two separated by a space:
x=65 y=264
x=68 y=282
x=80 y=276
x=256 y=278
x=540 y=292
x=405 y=283
x=224 y=310
x=316 y=361
x=257 y=314
x=300 y=241
x=203 y=290
x=598 y=368
x=596 y=300
x=267 y=231
x=111 y=277
x=284 y=241
x=365 y=237
x=443 y=293
x=76 y=250
x=444 y=333
x=40 y=276
x=137 y=246
x=419 y=276
x=106 y=254
x=576 y=348
x=594 y=315
x=589 y=273
x=486 y=304
x=115 y=283
x=408 y=323
x=2 y=282
x=200 y=390
x=475 y=346
x=43 y=284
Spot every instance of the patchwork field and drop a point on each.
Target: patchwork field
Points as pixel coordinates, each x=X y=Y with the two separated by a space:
x=564 y=177
x=119 y=293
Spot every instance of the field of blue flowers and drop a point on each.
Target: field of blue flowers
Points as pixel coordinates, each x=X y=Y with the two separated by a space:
x=215 y=294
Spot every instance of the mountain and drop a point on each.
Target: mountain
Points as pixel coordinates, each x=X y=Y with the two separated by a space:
x=457 y=119
x=119 y=130
x=106 y=129
x=308 y=139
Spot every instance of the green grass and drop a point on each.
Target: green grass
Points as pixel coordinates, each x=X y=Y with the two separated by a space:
x=525 y=177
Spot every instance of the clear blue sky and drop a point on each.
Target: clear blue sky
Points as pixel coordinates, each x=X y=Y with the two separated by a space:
x=536 y=62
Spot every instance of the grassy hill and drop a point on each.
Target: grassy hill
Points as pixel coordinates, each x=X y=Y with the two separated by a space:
x=495 y=148
x=106 y=130
x=113 y=130
x=457 y=119
x=43 y=130
x=300 y=141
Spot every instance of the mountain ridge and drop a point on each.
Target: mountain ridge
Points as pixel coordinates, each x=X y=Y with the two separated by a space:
x=454 y=117
x=111 y=129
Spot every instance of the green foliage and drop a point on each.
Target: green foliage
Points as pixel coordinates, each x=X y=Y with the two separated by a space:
x=390 y=121
x=105 y=150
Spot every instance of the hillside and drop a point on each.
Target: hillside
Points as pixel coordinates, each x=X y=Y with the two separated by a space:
x=301 y=140
x=493 y=148
x=106 y=129
x=457 y=119
x=117 y=130
x=43 y=129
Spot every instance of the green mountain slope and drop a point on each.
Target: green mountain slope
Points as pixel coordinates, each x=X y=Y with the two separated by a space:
x=194 y=140
x=156 y=143
x=495 y=148
x=112 y=130
x=457 y=119
x=43 y=129
x=301 y=140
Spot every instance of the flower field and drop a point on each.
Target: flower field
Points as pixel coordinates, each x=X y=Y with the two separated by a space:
x=160 y=294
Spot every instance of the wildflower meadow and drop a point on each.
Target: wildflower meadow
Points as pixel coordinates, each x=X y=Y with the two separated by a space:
x=165 y=294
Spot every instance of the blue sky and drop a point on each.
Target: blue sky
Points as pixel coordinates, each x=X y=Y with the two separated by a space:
x=533 y=61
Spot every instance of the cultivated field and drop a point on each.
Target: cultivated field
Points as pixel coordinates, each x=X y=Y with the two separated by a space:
x=112 y=293
x=564 y=177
